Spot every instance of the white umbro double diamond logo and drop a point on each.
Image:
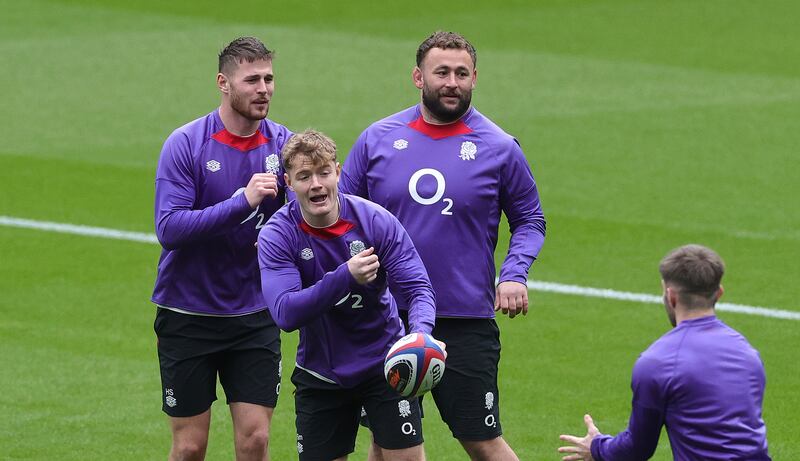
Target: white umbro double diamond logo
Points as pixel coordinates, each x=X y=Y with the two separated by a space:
x=169 y=398
x=400 y=144
x=468 y=150
x=213 y=166
x=306 y=254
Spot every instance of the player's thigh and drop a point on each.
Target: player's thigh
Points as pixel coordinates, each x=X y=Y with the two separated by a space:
x=416 y=453
x=188 y=363
x=251 y=367
x=326 y=421
x=190 y=434
x=395 y=421
x=467 y=397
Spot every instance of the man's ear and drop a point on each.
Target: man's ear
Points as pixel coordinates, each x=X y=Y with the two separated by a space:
x=719 y=293
x=416 y=76
x=671 y=297
x=222 y=83
x=288 y=181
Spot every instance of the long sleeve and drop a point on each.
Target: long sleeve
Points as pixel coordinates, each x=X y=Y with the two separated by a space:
x=407 y=273
x=519 y=199
x=637 y=442
x=290 y=305
x=640 y=439
x=177 y=222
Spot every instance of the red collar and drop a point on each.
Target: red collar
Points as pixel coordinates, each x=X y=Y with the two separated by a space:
x=336 y=229
x=440 y=131
x=240 y=143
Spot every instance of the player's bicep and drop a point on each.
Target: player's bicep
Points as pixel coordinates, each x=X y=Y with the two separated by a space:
x=519 y=195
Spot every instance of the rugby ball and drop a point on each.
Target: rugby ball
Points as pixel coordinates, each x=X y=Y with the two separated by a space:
x=414 y=365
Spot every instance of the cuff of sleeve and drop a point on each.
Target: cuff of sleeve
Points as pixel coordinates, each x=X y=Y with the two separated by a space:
x=242 y=205
x=597 y=443
x=345 y=275
x=424 y=327
x=513 y=278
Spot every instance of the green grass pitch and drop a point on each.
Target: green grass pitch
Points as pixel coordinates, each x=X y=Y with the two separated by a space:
x=647 y=124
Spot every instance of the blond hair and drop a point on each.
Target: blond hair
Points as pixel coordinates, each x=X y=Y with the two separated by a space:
x=318 y=147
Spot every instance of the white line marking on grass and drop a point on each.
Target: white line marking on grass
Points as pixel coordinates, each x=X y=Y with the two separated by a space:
x=653 y=299
x=552 y=287
x=78 y=230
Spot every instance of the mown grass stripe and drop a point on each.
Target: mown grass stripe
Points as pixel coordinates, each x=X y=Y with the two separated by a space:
x=551 y=287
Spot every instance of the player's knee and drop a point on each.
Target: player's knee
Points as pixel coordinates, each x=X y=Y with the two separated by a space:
x=255 y=441
x=189 y=449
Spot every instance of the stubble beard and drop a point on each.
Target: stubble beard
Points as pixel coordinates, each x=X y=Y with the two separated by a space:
x=243 y=108
x=443 y=113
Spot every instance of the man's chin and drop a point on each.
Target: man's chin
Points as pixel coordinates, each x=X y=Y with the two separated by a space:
x=258 y=115
x=449 y=116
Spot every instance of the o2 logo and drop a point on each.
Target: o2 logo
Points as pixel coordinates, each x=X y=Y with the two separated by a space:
x=436 y=197
x=262 y=218
x=356 y=302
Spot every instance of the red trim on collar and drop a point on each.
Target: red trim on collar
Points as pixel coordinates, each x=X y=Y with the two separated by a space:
x=240 y=143
x=337 y=229
x=440 y=131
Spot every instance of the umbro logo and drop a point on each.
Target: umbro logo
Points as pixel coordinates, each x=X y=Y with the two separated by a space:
x=306 y=254
x=169 y=398
x=213 y=166
x=400 y=144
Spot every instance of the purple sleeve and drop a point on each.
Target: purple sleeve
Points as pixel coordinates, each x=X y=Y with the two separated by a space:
x=519 y=200
x=399 y=257
x=640 y=439
x=354 y=172
x=290 y=305
x=177 y=222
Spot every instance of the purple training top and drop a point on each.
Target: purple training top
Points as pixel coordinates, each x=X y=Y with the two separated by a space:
x=207 y=229
x=448 y=184
x=705 y=382
x=346 y=328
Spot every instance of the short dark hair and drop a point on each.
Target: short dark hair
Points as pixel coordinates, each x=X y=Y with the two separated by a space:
x=248 y=49
x=316 y=145
x=446 y=41
x=696 y=272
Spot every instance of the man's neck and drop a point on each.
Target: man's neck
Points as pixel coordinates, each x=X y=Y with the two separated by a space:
x=692 y=314
x=323 y=222
x=235 y=123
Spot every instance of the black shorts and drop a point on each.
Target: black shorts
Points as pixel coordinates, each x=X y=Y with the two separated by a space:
x=192 y=349
x=327 y=416
x=467 y=397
